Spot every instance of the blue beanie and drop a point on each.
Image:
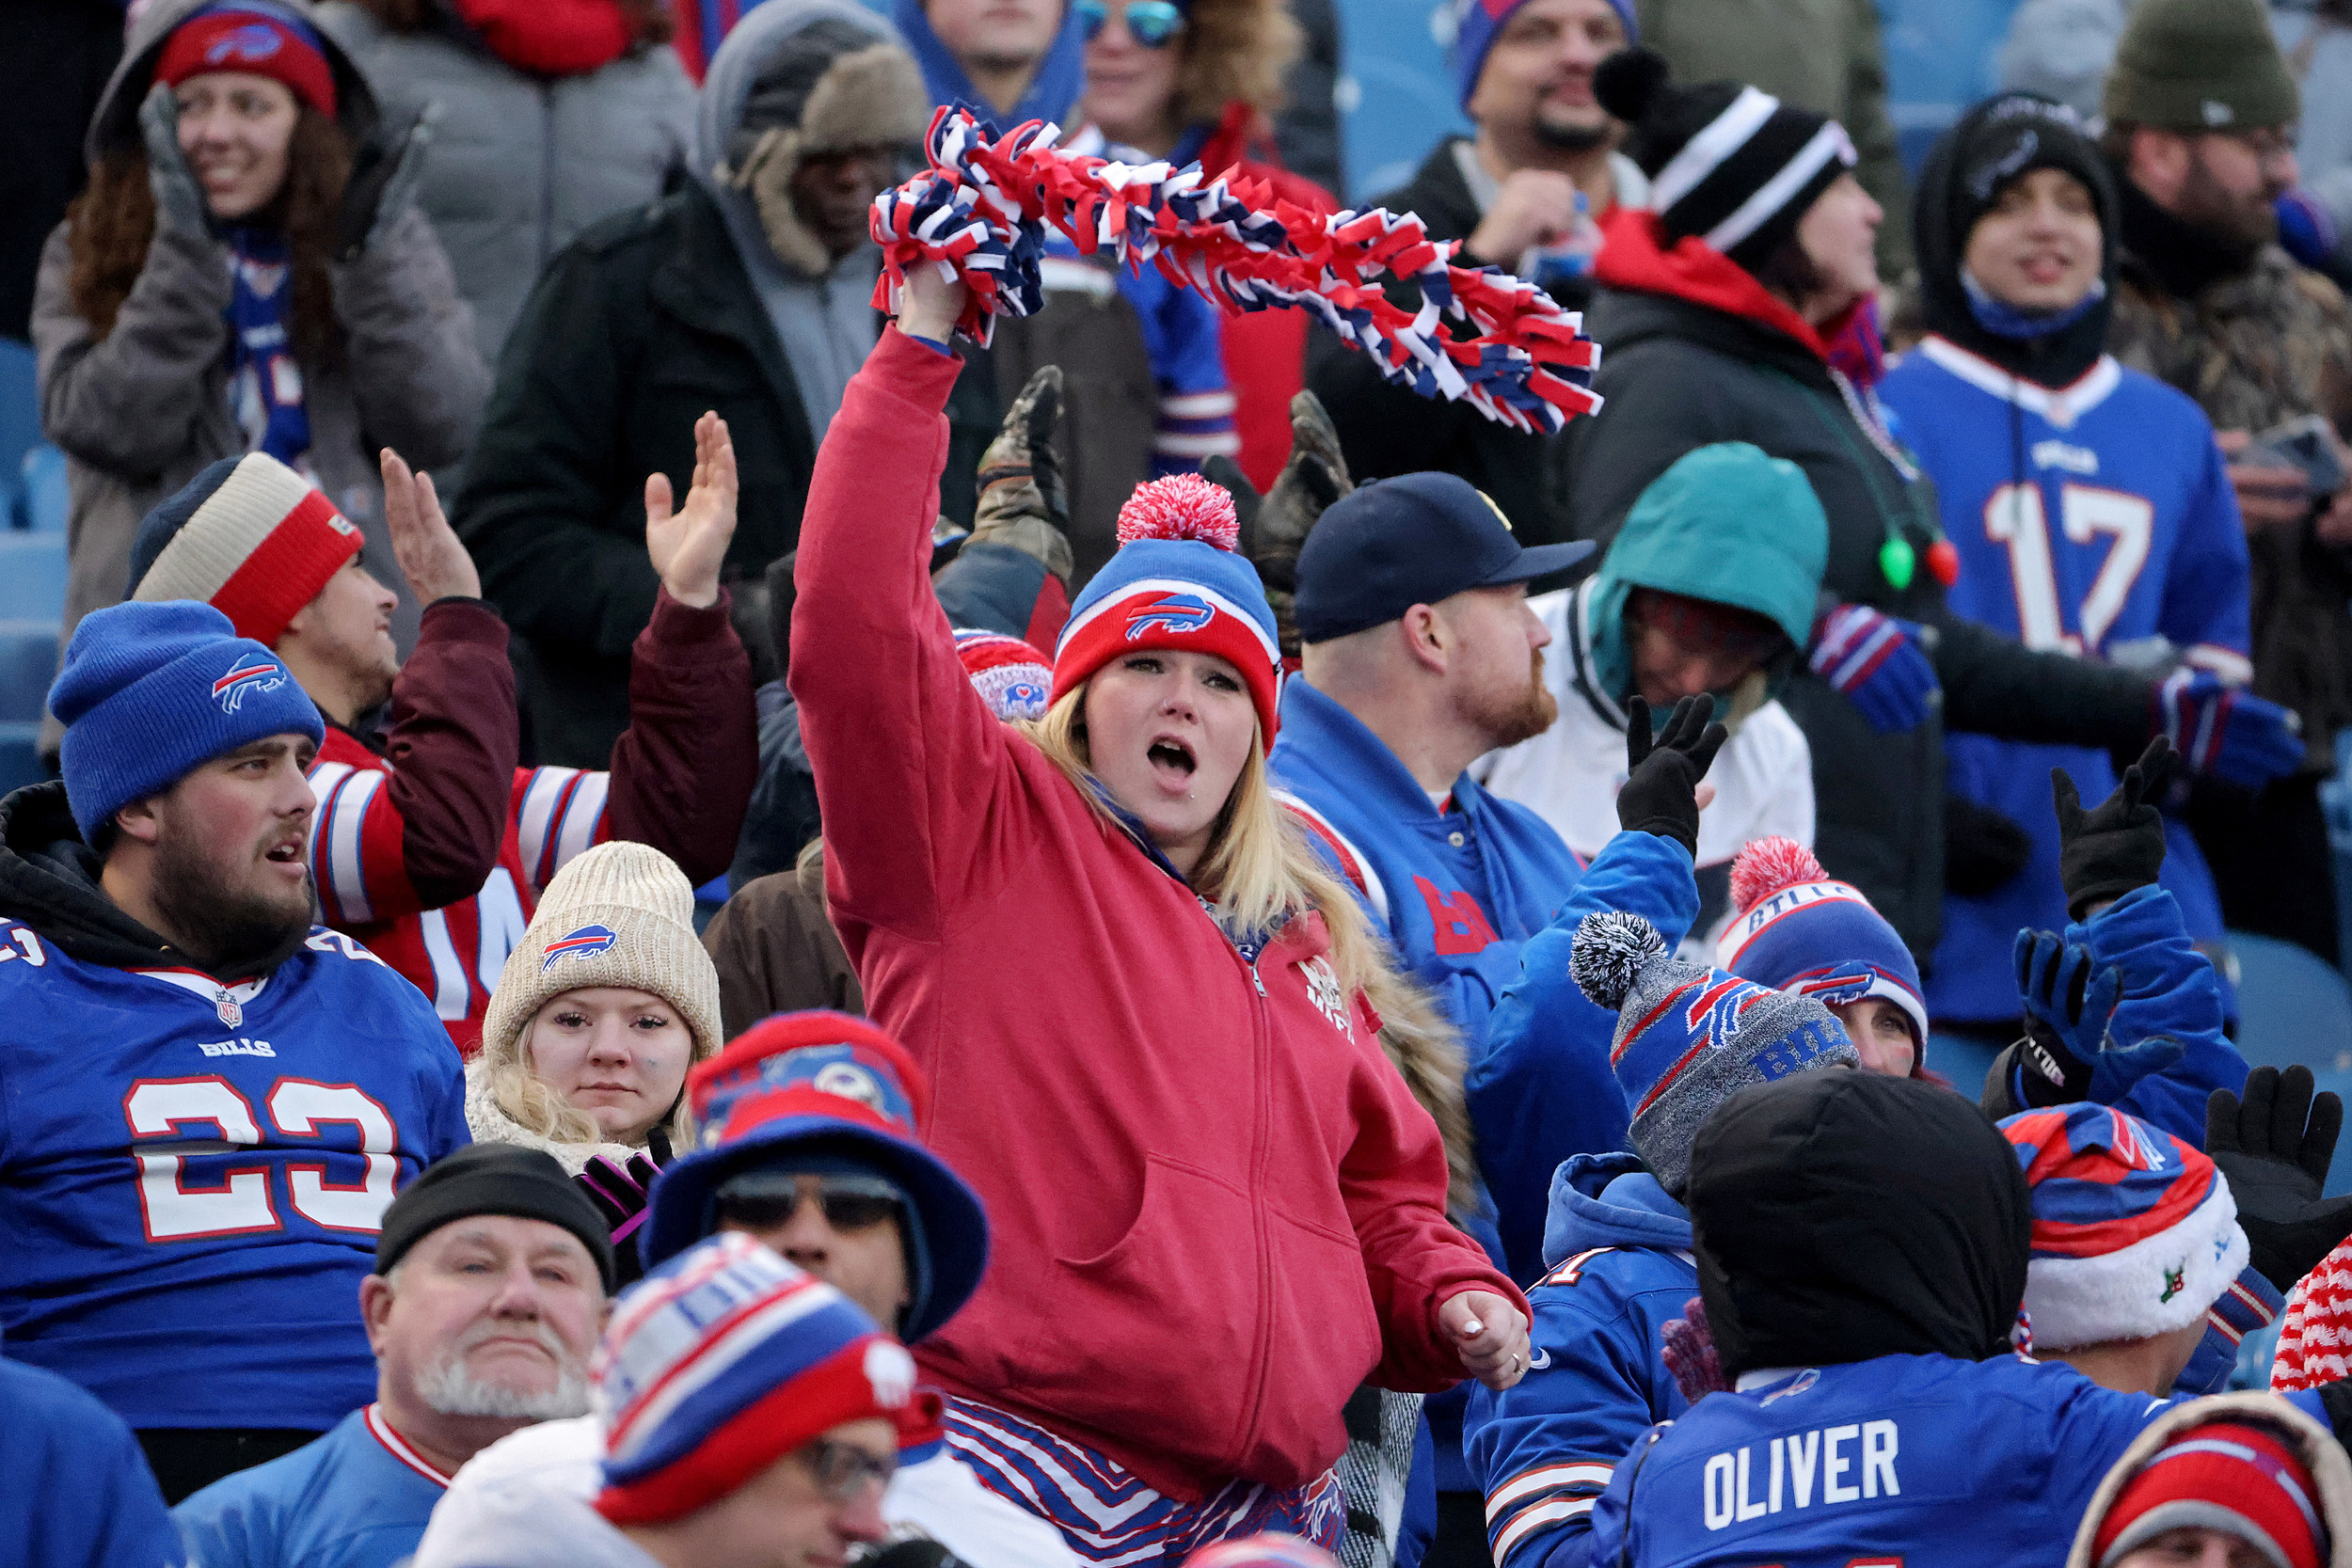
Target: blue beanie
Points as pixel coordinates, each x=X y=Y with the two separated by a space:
x=1478 y=23
x=150 y=691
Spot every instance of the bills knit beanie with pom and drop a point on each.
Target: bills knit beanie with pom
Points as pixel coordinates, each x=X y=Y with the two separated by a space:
x=249 y=536
x=2134 y=1233
x=2315 y=1337
x=1176 y=583
x=1013 y=677
x=619 y=914
x=2237 y=1478
x=1801 y=931
x=722 y=1361
x=1729 y=166
x=151 y=690
x=1689 y=1037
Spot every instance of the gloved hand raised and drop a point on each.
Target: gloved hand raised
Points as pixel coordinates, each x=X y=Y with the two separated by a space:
x=2226 y=731
x=1024 y=502
x=179 y=199
x=1663 y=773
x=386 y=171
x=2118 y=845
x=1875 y=662
x=1274 y=526
x=620 y=1191
x=2068 y=1001
x=2276 y=1161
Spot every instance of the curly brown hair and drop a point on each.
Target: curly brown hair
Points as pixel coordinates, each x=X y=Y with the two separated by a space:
x=111 y=224
x=1234 y=50
x=649 y=21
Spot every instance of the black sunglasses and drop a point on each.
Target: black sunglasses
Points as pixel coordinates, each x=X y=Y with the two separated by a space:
x=768 y=1199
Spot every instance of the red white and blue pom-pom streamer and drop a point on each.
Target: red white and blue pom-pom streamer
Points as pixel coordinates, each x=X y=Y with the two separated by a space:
x=983 y=208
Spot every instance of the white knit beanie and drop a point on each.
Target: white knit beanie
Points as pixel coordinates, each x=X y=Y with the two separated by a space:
x=619 y=914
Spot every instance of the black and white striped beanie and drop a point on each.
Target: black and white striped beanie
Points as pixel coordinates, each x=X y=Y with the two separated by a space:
x=1730 y=163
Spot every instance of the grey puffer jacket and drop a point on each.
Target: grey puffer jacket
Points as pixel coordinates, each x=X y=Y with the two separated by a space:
x=139 y=411
x=521 y=164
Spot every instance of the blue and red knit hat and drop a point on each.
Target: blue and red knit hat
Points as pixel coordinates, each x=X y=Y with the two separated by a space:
x=807 y=1090
x=720 y=1363
x=2237 y=1475
x=1478 y=23
x=1801 y=931
x=2134 y=1233
x=1013 y=675
x=1689 y=1037
x=256 y=38
x=1177 y=583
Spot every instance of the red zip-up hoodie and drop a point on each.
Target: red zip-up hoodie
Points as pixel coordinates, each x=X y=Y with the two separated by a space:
x=1214 y=1207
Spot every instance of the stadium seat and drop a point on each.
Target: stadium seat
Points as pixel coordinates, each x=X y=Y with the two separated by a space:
x=2296 y=1007
x=32 y=577
x=28 y=662
x=39 y=502
x=19 y=756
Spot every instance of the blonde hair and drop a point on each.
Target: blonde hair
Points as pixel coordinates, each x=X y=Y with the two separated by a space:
x=1259 y=867
x=532 y=1104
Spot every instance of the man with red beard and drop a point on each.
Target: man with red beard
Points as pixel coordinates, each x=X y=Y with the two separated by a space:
x=1420 y=653
x=206 y=1102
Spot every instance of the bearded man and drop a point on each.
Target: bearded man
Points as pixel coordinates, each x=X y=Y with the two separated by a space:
x=210 y=1101
x=486 y=1302
x=2200 y=112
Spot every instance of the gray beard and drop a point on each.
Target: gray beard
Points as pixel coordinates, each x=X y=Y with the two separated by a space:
x=451 y=1389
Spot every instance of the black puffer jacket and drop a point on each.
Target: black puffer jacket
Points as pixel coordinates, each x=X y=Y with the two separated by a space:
x=1684 y=364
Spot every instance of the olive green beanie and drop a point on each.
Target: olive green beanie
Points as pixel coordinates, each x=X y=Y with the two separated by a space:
x=2201 y=65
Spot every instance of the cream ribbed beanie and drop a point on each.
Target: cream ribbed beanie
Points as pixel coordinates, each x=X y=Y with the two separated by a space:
x=620 y=915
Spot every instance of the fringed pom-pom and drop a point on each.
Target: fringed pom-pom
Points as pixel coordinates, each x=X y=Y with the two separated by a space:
x=1182 y=506
x=1612 y=948
x=1766 y=865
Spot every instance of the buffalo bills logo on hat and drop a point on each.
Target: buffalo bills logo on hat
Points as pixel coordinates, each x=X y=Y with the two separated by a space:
x=250 y=672
x=1174 y=613
x=851 y=1081
x=585 y=943
x=252 y=43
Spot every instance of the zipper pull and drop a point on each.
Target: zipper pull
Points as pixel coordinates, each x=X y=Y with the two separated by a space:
x=1255 y=981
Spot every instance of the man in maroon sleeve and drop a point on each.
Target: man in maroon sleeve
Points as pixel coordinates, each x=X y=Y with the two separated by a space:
x=429 y=843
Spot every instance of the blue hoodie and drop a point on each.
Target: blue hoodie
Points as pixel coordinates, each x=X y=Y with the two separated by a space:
x=1053 y=93
x=1619 y=1248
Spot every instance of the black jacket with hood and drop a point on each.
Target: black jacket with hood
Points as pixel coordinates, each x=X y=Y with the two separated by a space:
x=1694 y=351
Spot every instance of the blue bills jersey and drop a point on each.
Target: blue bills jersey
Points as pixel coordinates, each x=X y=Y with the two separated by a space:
x=2088 y=520
x=192 y=1177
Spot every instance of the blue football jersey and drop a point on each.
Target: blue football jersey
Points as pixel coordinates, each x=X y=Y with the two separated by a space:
x=1921 y=1461
x=358 y=1498
x=2085 y=518
x=192 y=1177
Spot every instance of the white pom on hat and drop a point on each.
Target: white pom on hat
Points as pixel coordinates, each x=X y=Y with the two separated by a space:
x=1612 y=949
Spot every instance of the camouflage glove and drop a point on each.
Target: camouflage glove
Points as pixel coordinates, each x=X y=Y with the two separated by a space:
x=1023 y=500
x=1275 y=526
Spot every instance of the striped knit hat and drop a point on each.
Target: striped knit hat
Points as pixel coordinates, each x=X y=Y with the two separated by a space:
x=2315 y=1339
x=720 y=1362
x=1689 y=1037
x=249 y=536
x=1013 y=677
x=1732 y=165
x=2240 y=1479
x=1177 y=583
x=2134 y=1233
x=1801 y=931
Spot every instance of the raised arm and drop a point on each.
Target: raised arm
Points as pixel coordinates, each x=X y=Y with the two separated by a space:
x=909 y=761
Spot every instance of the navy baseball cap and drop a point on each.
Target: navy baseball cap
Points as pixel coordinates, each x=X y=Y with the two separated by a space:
x=1391 y=543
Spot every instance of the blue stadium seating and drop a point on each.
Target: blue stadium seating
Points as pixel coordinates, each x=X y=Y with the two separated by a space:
x=2295 y=1006
x=32 y=576
x=29 y=661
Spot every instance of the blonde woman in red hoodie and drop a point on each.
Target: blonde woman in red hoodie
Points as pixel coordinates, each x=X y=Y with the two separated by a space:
x=1149 y=1014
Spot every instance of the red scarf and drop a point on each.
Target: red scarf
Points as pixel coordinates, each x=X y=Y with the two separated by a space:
x=549 y=38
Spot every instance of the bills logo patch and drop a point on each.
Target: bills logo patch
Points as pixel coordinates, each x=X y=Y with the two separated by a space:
x=250 y=672
x=585 y=943
x=1173 y=613
x=251 y=44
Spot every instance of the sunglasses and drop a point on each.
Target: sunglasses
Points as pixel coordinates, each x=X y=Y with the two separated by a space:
x=1150 y=22
x=768 y=1199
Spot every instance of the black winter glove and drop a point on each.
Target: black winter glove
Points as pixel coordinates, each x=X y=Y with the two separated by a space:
x=2118 y=845
x=1982 y=848
x=2277 y=1165
x=1660 y=793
